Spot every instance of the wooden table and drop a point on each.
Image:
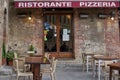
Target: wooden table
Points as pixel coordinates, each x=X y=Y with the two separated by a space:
x=113 y=66
x=100 y=59
x=36 y=62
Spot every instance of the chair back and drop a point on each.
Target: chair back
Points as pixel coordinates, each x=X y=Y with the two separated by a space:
x=51 y=61
x=47 y=55
x=17 y=66
x=83 y=58
x=14 y=65
x=15 y=55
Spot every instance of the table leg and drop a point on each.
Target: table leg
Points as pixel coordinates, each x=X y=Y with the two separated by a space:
x=87 y=63
x=110 y=74
x=99 y=73
x=119 y=74
x=36 y=72
x=94 y=67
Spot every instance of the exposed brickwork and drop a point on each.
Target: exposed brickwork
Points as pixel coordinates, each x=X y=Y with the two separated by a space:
x=90 y=34
x=112 y=38
x=24 y=32
x=1 y=27
x=94 y=35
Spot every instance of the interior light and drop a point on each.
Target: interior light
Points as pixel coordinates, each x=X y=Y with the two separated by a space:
x=112 y=18
x=112 y=15
x=68 y=16
x=29 y=18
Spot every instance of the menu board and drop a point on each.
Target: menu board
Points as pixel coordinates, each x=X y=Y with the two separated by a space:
x=65 y=36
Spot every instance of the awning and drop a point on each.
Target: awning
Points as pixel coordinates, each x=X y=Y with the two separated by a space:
x=67 y=3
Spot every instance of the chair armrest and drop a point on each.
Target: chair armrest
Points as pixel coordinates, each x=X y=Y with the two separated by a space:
x=20 y=59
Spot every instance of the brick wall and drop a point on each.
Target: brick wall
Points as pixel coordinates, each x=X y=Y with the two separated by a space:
x=112 y=37
x=23 y=32
x=95 y=35
x=91 y=35
x=1 y=27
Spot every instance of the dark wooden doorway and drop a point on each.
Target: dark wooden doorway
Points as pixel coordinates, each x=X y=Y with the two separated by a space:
x=58 y=35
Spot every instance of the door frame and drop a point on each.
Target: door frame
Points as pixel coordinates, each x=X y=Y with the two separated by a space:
x=61 y=54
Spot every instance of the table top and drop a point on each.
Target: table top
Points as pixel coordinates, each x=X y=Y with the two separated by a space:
x=104 y=58
x=114 y=64
x=36 y=60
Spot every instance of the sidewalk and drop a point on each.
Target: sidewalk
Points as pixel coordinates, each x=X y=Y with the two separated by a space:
x=64 y=71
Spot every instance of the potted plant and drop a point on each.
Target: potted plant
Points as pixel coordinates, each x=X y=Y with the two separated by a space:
x=3 y=54
x=31 y=50
x=9 y=57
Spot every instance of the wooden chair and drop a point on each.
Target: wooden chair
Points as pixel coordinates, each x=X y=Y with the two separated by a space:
x=21 y=73
x=15 y=55
x=84 y=61
x=102 y=64
x=48 y=66
x=21 y=61
x=47 y=55
x=51 y=70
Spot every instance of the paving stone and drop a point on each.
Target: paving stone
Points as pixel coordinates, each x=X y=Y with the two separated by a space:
x=68 y=71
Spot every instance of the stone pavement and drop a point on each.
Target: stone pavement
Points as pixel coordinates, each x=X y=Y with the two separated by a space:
x=64 y=71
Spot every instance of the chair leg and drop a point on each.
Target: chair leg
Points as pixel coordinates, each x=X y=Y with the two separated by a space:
x=116 y=78
x=52 y=76
x=17 y=78
x=96 y=70
x=24 y=77
x=83 y=67
x=30 y=78
x=106 y=78
x=11 y=76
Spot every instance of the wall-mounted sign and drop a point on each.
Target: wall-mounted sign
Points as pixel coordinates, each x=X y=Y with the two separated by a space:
x=84 y=15
x=65 y=4
x=102 y=15
x=22 y=15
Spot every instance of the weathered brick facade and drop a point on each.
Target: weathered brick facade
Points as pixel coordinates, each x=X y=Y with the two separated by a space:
x=94 y=35
x=23 y=33
x=112 y=37
x=91 y=35
x=2 y=25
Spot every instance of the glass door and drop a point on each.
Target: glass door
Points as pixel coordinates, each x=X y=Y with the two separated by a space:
x=58 y=35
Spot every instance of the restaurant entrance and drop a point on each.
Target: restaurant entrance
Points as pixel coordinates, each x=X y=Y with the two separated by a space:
x=58 y=35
